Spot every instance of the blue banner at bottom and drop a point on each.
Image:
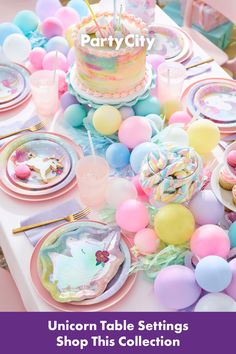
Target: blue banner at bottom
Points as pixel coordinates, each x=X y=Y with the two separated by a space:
x=167 y=333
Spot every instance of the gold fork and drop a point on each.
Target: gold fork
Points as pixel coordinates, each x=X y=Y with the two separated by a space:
x=70 y=218
x=33 y=128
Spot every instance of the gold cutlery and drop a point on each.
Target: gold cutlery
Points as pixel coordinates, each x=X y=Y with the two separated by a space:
x=209 y=60
x=33 y=128
x=70 y=218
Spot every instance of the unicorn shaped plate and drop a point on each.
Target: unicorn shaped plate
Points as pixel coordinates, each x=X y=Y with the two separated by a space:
x=48 y=161
x=80 y=263
x=217 y=101
x=12 y=84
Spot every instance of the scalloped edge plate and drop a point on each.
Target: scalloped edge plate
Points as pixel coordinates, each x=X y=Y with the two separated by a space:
x=43 y=293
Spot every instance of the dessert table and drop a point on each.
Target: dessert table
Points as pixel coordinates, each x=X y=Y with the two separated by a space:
x=18 y=249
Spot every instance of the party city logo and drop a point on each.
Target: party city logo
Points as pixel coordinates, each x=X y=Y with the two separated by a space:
x=130 y=41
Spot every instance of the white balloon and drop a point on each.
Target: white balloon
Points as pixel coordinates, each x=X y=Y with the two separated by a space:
x=118 y=191
x=174 y=135
x=17 y=48
x=215 y=302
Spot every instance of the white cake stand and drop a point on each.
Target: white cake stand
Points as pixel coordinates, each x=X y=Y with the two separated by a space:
x=95 y=102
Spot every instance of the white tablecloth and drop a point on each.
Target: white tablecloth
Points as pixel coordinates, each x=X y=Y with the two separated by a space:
x=18 y=250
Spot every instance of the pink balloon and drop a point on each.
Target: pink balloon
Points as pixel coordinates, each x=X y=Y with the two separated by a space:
x=132 y=216
x=52 y=27
x=62 y=85
x=139 y=125
x=36 y=57
x=155 y=60
x=180 y=117
x=55 y=60
x=210 y=240
x=146 y=241
x=67 y=16
x=176 y=287
x=141 y=194
x=231 y=290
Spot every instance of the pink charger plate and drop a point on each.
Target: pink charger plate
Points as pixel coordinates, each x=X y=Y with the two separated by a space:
x=186 y=91
x=50 y=196
x=23 y=101
x=67 y=307
x=17 y=105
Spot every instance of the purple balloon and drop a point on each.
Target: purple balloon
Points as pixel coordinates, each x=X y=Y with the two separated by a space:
x=71 y=56
x=206 y=208
x=47 y=8
x=231 y=290
x=67 y=100
x=176 y=287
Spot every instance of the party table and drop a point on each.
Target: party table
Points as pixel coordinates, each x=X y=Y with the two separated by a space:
x=18 y=249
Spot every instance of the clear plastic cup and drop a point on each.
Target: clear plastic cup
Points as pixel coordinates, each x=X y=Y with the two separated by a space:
x=92 y=176
x=44 y=88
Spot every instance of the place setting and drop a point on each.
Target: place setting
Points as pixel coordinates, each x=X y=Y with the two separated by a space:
x=213 y=99
x=38 y=166
x=14 y=86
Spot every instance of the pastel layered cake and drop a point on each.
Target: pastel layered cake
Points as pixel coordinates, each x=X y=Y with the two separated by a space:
x=104 y=71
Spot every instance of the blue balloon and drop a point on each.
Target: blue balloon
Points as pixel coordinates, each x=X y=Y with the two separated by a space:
x=118 y=155
x=27 y=21
x=213 y=274
x=74 y=115
x=138 y=155
x=7 y=28
x=150 y=105
x=79 y=6
x=58 y=44
x=232 y=234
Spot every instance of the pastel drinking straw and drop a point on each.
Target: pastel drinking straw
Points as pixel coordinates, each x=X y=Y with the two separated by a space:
x=55 y=66
x=94 y=18
x=121 y=10
x=91 y=143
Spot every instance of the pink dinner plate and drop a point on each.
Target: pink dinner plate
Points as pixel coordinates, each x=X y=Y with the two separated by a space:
x=67 y=307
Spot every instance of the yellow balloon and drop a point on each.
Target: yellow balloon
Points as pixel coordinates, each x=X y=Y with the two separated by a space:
x=204 y=136
x=107 y=120
x=174 y=224
x=170 y=107
x=68 y=34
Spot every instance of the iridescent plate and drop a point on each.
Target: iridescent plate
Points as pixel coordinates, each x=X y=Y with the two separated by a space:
x=49 y=162
x=12 y=83
x=25 y=92
x=67 y=306
x=188 y=98
x=11 y=147
x=80 y=262
x=171 y=42
x=217 y=101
